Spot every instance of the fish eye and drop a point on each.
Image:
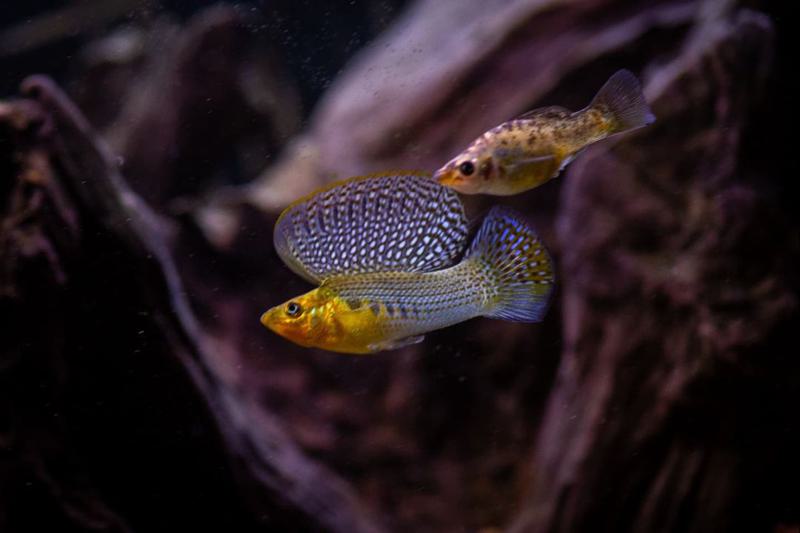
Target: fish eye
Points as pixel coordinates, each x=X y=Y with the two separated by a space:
x=466 y=168
x=293 y=309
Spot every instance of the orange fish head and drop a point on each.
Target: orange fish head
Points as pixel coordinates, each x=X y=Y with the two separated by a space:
x=467 y=175
x=300 y=320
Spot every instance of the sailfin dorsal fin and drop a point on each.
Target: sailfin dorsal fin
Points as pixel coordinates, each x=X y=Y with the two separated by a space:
x=403 y=222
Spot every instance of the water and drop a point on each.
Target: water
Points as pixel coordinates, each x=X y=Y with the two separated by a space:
x=138 y=390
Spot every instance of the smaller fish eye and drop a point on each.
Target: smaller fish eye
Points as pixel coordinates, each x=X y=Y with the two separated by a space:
x=293 y=309
x=466 y=168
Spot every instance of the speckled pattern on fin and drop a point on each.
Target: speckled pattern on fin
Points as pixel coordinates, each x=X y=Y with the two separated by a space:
x=399 y=222
x=519 y=264
x=395 y=344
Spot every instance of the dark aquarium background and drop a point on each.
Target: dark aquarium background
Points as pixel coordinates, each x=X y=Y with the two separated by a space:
x=147 y=148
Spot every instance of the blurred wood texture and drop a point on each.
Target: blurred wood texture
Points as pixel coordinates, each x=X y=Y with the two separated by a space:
x=138 y=391
x=103 y=302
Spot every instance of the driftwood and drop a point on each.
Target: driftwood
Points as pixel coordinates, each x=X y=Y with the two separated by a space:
x=101 y=297
x=171 y=149
x=418 y=95
x=658 y=395
x=672 y=399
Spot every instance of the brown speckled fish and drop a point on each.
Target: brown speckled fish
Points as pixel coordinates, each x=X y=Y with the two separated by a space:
x=528 y=151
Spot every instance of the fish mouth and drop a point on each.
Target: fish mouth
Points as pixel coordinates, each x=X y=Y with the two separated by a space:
x=267 y=321
x=446 y=177
x=452 y=179
x=273 y=321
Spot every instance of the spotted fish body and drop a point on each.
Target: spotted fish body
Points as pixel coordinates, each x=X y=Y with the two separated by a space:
x=528 y=151
x=384 y=222
x=506 y=273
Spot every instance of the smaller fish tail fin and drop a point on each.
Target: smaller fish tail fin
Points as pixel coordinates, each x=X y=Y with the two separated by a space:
x=622 y=100
x=515 y=264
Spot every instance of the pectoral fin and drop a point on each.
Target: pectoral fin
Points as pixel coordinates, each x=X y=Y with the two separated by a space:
x=543 y=164
x=395 y=344
x=530 y=172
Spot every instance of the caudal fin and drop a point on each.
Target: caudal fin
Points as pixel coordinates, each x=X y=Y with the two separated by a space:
x=622 y=99
x=518 y=267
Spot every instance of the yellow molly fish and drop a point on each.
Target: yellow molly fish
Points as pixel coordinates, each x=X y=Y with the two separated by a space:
x=388 y=265
x=524 y=153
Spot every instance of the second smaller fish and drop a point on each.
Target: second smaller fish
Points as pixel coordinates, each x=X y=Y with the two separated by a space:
x=528 y=151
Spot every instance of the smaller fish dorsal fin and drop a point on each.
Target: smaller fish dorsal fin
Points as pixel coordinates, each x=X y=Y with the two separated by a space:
x=550 y=112
x=397 y=222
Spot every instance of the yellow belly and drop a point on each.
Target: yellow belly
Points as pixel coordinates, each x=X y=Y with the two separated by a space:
x=353 y=330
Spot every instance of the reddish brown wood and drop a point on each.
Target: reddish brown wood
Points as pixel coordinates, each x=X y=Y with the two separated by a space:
x=672 y=406
x=91 y=302
x=659 y=394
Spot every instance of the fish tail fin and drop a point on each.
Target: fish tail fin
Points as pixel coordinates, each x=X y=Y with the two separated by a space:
x=622 y=100
x=515 y=265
